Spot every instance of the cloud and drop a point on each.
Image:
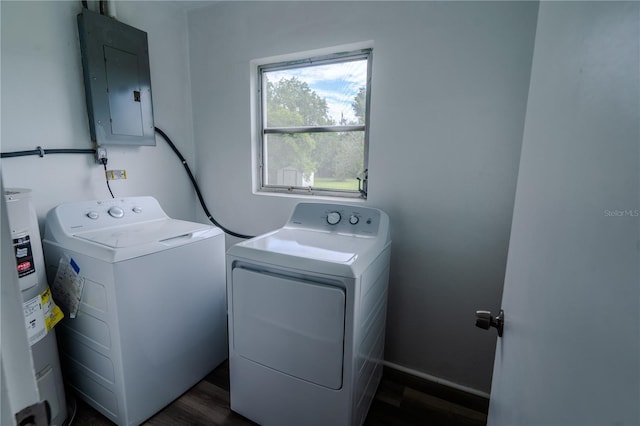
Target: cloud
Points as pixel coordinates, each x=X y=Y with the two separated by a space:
x=337 y=83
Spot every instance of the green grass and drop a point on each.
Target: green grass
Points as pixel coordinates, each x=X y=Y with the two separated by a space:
x=351 y=184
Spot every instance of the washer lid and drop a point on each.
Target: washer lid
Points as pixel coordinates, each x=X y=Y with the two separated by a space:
x=124 y=242
x=163 y=231
x=120 y=228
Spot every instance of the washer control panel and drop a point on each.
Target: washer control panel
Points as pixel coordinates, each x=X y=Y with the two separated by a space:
x=91 y=215
x=116 y=211
x=339 y=218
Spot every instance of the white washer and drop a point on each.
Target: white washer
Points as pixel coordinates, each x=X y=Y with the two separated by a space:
x=152 y=318
x=307 y=312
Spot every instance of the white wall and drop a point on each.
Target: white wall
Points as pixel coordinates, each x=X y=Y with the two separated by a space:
x=43 y=104
x=449 y=91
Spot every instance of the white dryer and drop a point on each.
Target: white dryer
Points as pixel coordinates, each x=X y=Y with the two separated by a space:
x=152 y=317
x=307 y=312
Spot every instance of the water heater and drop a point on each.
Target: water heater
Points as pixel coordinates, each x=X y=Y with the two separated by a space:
x=40 y=311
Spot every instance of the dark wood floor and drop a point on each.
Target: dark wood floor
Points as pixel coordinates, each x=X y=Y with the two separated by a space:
x=401 y=400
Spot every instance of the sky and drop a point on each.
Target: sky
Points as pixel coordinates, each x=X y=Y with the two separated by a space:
x=337 y=83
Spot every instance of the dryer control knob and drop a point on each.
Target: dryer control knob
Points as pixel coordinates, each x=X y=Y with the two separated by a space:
x=137 y=209
x=93 y=215
x=354 y=219
x=116 y=212
x=333 y=218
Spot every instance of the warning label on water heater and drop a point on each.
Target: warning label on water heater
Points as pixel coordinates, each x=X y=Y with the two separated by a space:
x=41 y=314
x=24 y=256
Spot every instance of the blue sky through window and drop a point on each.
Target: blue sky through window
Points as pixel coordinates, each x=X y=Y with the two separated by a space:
x=337 y=83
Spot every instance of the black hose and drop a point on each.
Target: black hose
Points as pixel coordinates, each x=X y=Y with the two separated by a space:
x=104 y=164
x=70 y=151
x=197 y=189
x=19 y=153
x=42 y=152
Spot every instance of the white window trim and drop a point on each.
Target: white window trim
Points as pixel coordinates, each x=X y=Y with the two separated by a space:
x=256 y=123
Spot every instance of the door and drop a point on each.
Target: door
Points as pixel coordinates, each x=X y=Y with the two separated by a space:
x=292 y=325
x=569 y=354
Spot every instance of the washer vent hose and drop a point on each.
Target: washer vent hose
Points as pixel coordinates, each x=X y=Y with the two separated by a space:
x=195 y=186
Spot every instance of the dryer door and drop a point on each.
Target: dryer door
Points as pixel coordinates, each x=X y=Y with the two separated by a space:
x=295 y=326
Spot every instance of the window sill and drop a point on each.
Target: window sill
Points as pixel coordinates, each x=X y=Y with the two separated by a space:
x=310 y=196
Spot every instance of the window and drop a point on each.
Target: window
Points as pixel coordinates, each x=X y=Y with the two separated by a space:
x=314 y=125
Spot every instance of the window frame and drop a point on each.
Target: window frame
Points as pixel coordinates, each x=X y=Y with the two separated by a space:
x=262 y=131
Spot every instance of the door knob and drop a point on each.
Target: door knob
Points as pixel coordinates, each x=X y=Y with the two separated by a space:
x=485 y=320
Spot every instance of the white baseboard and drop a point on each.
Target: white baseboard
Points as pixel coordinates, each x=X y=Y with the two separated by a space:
x=434 y=379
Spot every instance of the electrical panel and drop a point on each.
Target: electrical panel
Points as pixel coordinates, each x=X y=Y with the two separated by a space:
x=115 y=61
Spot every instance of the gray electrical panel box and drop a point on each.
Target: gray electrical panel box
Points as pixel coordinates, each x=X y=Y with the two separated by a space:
x=115 y=61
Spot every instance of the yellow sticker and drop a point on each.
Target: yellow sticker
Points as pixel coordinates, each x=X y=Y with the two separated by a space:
x=52 y=313
x=45 y=296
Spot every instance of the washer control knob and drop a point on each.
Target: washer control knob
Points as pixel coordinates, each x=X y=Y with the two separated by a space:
x=333 y=218
x=353 y=219
x=93 y=215
x=137 y=209
x=116 y=212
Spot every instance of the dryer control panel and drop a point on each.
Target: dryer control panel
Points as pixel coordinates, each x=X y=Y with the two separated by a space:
x=339 y=218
